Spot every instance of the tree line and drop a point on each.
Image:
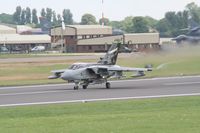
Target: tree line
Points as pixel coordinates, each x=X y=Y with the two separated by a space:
x=169 y=26
x=28 y=16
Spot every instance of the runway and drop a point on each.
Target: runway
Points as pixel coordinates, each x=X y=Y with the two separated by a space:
x=122 y=89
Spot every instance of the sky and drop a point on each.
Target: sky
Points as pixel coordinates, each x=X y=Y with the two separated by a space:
x=113 y=9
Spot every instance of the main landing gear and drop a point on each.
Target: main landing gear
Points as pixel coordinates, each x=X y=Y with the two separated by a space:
x=85 y=86
x=108 y=85
x=76 y=87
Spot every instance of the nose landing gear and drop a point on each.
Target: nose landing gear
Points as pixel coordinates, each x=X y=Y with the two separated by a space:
x=76 y=87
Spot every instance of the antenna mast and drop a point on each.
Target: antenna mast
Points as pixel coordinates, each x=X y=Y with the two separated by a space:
x=102 y=14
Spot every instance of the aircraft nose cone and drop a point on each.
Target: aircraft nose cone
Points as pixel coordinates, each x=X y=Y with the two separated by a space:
x=67 y=75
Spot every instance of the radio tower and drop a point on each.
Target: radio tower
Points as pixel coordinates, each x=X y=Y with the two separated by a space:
x=102 y=14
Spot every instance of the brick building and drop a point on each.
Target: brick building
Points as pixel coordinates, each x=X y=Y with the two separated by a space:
x=97 y=38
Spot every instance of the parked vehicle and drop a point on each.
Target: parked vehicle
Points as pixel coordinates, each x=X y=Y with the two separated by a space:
x=4 y=50
x=38 y=48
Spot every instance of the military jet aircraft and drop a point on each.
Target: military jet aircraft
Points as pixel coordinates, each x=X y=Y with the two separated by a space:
x=193 y=28
x=97 y=73
x=192 y=36
x=188 y=39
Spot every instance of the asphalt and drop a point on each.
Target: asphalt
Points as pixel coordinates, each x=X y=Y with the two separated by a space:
x=44 y=59
x=123 y=89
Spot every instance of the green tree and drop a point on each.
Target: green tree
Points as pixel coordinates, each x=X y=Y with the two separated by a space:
x=182 y=20
x=194 y=11
x=172 y=24
x=116 y=24
x=67 y=16
x=6 y=18
x=127 y=24
x=55 y=21
x=163 y=28
x=17 y=15
x=49 y=14
x=43 y=13
x=176 y=22
x=23 y=17
x=140 y=25
x=151 y=21
x=105 y=20
x=34 y=16
x=171 y=18
x=59 y=19
x=88 y=19
x=28 y=15
x=185 y=17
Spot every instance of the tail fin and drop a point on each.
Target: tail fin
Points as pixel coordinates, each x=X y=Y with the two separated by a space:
x=193 y=28
x=111 y=56
x=192 y=24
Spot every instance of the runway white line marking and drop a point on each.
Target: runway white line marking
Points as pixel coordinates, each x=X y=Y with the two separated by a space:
x=31 y=93
x=33 y=86
x=103 y=99
x=160 y=78
x=183 y=83
x=133 y=80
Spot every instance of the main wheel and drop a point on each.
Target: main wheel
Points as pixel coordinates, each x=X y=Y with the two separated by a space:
x=75 y=87
x=84 y=86
x=108 y=85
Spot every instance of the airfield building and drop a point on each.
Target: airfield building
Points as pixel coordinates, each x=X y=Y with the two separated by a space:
x=14 y=42
x=97 y=38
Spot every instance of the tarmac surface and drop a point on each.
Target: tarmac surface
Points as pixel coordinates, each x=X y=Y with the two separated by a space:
x=122 y=89
x=43 y=59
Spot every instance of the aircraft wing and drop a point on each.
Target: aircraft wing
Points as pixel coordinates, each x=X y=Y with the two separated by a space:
x=104 y=70
x=128 y=69
x=138 y=71
x=117 y=68
x=56 y=74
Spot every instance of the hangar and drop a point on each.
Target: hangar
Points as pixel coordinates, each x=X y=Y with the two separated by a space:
x=97 y=38
x=21 y=43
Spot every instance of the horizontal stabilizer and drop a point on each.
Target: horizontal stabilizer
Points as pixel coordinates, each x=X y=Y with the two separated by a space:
x=118 y=77
x=139 y=74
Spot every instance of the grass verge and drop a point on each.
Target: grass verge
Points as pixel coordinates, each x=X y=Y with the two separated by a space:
x=171 y=115
x=175 y=63
x=41 y=54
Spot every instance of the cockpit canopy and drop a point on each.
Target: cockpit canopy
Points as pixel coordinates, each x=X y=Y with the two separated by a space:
x=80 y=65
x=74 y=67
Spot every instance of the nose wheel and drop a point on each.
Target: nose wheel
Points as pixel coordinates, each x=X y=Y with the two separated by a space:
x=85 y=87
x=75 y=87
x=108 y=85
